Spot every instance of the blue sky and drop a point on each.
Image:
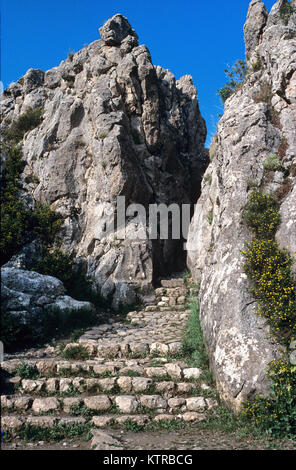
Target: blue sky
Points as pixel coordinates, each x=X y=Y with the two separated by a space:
x=188 y=37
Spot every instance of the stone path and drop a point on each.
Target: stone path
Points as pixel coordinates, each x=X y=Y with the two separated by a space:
x=134 y=374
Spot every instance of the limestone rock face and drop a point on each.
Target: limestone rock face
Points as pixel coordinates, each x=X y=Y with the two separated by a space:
x=113 y=125
x=259 y=120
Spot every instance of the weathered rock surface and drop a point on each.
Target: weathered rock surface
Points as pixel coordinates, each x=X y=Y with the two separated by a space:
x=256 y=21
x=27 y=294
x=113 y=125
x=259 y=120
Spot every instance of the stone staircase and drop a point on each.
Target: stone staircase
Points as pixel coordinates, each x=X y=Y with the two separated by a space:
x=134 y=373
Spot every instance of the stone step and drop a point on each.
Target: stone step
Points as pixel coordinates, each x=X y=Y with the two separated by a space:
x=141 y=325
x=171 y=291
x=150 y=368
x=103 y=403
x=132 y=373
x=12 y=423
x=135 y=349
x=167 y=385
x=165 y=308
x=169 y=283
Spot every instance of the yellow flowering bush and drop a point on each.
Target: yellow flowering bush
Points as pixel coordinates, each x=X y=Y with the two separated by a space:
x=273 y=285
x=269 y=268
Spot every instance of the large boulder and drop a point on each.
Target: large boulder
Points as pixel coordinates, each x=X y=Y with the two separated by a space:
x=259 y=120
x=27 y=294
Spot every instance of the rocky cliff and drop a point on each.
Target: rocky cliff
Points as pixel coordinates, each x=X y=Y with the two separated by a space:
x=259 y=124
x=113 y=125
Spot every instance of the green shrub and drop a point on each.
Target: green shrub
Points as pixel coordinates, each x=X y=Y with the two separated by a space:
x=55 y=263
x=70 y=55
x=14 y=216
x=15 y=335
x=236 y=76
x=26 y=371
x=261 y=214
x=45 y=222
x=130 y=425
x=286 y=11
x=272 y=163
x=269 y=267
x=256 y=66
x=276 y=414
x=58 y=264
x=20 y=225
x=103 y=134
x=25 y=122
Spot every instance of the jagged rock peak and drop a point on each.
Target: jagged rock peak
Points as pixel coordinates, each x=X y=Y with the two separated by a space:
x=256 y=21
x=116 y=29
